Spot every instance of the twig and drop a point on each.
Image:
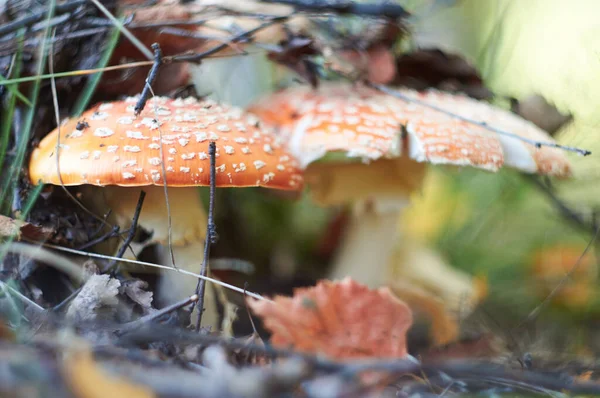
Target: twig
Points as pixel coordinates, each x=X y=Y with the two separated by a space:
x=239 y=37
x=111 y=234
x=161 y=333
x=568 y=213
x=536 y=311
x=537 y=144
x=147 y=264
x=139 y=106
x=381 y=9
x=462 y=369
x=211 y=235
x=134 y=40
x=112 y=266
x=38 y=16
x=149 y=318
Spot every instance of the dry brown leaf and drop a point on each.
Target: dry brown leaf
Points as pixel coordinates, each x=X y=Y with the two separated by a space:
x=87 y=380
x=341 y=319
x=21 y=229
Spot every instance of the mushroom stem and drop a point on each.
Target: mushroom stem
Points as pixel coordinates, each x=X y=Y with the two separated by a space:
x=188 y=222
x=367 y=249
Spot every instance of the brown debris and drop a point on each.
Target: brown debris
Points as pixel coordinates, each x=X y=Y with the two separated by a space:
x=434 y=68
x=22 y=230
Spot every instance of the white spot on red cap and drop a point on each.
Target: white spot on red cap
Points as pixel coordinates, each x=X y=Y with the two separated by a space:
x=154 y=161
x=188 y=156
x=129 y=163
x=125 y=120
x=136 y=135
x=259 y=164
x=84 y=155
x=229 y=149
x=99 y=116
x=128 y=176
x=103 y=132
x=131 y=148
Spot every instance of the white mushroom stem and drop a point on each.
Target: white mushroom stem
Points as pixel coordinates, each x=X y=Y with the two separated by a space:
x=372 y=250
x=188 y=231
x=367 y=248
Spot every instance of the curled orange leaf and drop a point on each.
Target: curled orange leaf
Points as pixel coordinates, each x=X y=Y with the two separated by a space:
x=341 y=319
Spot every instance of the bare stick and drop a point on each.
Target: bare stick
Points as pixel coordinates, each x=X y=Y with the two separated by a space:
x=112 y=266
x=139 y=106
x=537 y=144
x=147 y=264
x=379 y=9
x=536 y=311
x=211 y=235
x=149 y=318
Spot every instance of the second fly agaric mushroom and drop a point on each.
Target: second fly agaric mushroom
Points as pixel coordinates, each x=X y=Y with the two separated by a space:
x=362 y=146
x=108 y=146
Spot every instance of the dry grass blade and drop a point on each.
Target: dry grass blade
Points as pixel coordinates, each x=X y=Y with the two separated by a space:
x=147 y=264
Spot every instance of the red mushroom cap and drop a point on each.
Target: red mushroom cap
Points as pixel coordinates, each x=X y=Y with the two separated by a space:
x=366 y=123
x=109 y=145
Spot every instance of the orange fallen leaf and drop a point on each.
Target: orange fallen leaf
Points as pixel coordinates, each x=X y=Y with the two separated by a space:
x=341 y=319
x=87 y=380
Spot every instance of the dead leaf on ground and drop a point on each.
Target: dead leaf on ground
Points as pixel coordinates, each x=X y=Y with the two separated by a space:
x=97 y=299
x=20 y=229
x=87 y=380
x=341 y=319
x=134 y=289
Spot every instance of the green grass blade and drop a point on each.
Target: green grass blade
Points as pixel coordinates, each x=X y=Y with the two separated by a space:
x=8 y=113
x=84 y=98
x=16 y=93
x=25 y=133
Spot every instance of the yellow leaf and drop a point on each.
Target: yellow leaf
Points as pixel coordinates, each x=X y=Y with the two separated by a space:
x=87 y=380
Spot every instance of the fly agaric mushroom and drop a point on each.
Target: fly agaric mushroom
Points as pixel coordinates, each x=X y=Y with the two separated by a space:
x=109 y=147
x=360 y=145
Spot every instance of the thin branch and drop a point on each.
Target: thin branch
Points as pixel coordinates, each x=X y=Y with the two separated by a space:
x=537 y=310
x=134 y=40
x=568 y=213
x=537 y=144
x=147 y=264
x=380 y=9
x=246 y=35
x=112 y=266
x=211 y=235
x=130 y=326
x=139 y=106
x=38 y=16
x=130 y=235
